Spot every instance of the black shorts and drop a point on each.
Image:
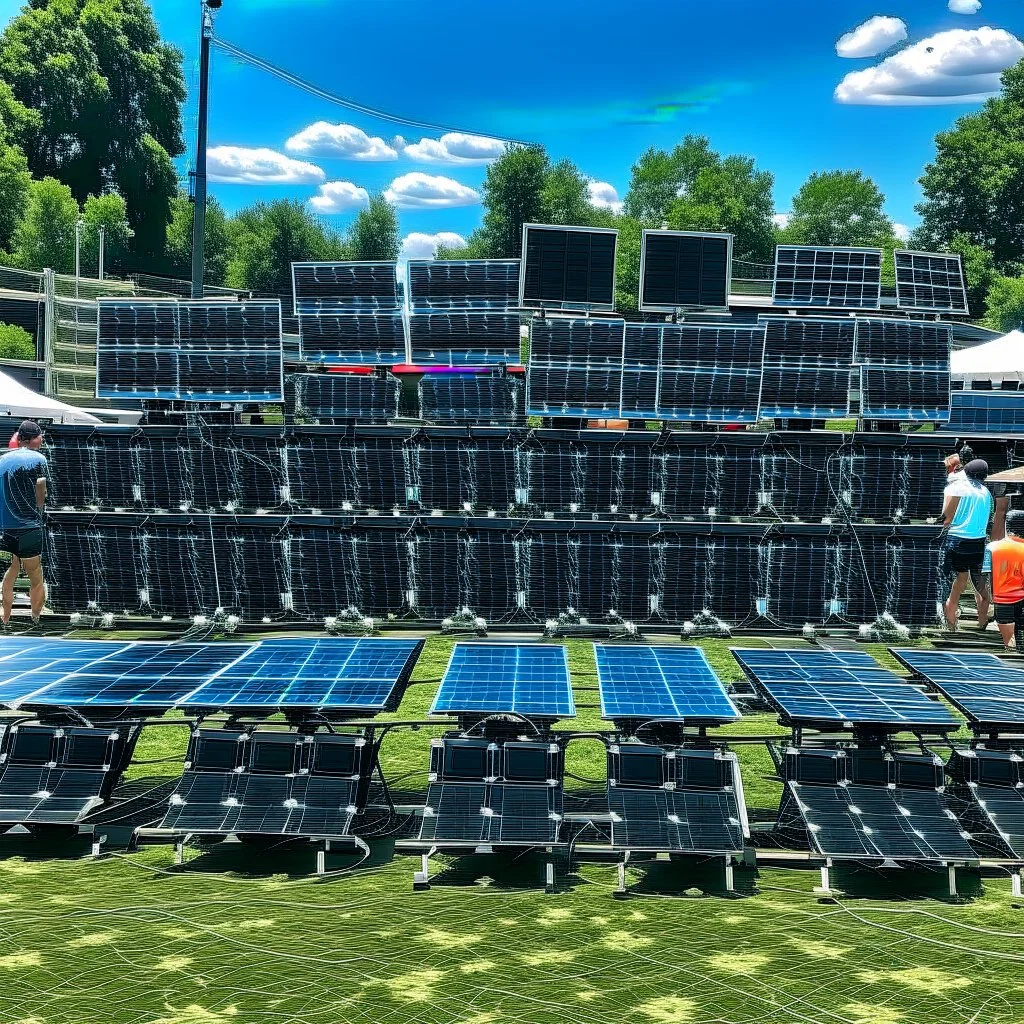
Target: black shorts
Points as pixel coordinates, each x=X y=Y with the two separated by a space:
x=962 y=555
x=23 y=543
x=1010 y=614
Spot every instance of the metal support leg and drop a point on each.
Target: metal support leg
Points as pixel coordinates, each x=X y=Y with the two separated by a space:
x=421 y=878
x=951 y=870
x=730 y=882
x=321 y=859
x=549 y=877
x=96 y=847
x=825 y=888
x=1015 y=883
x=179 y=854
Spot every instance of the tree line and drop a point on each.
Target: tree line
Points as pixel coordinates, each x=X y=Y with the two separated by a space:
x=90 y=125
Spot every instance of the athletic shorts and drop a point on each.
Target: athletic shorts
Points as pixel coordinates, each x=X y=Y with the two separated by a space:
x=1010 y=614
x=963 y=555
x=22 y=543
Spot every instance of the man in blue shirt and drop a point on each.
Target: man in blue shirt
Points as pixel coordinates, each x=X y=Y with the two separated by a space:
x=22 y=495
x=967 y=508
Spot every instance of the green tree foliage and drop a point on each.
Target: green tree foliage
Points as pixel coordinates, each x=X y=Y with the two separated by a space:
x=1005 y=302
x=16 y=343
x=108 y=96
x=730 y=196
x=110 y=212
x=265 y=239
x=474 y=249
x=564 y=196
x=178 y=252
x=45 y=237
x=374 y=232
x=627 y=263
x=14 y=173
x=513 y=195
x=979 y=270
x=837 y=208
x=975 y=185
x=659 y=178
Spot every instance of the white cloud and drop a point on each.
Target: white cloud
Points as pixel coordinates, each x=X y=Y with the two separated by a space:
x=418 y=191
x=241 y=166
x=420 y=246
x=604 y=196
x=341 y=141
x=958 y=66
x=964 y=6
x=872 y=37
x=781 y=220
x=340 y=197
x=454 y=149
x=901 y=231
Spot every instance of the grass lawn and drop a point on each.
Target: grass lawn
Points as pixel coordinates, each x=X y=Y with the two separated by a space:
x=247 y=938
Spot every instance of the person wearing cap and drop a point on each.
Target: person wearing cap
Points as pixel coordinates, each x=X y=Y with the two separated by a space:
x=22 y=496
x=1008 y=580
x=966 y=510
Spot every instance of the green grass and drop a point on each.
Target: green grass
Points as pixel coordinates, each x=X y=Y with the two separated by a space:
x=246 y=937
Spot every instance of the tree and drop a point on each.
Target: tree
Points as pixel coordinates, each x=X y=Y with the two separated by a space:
x=1005 y=302
x=109 y=212
x=374 y=232
x=265 y=239
x=474 y=249
x=730 y=196
x=564 y=197
x=627 y=263
x=513 y=195
x=837 y=208
x=14 y=174
x=979 y=271
x=46 y=235
x=178 y=250
x=975 y=185
x=659 y=178
x=108 y=96
x=16 y=343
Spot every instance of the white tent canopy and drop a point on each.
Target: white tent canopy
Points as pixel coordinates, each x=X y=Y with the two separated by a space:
x=1002 y=359
x=20 y=402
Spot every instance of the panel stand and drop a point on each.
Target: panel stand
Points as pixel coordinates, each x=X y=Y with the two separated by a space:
x=825 y=889
x=321 y=859
x=730 y=881
x=179 y=854
x=1015 y=883
x=421 y=878
x=96 y=843
x=951 y=872
x=549 y=874
x=620 y=892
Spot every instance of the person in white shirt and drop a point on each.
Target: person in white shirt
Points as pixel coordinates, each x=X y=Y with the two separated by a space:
x=966 y=510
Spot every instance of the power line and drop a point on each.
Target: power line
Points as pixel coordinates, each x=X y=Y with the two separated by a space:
x=315 y=90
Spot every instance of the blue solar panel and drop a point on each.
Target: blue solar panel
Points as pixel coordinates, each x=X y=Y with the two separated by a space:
x=330 y=673
x=496 y=678
x=660 y=682
x=986 y=412
x=959 y=666
x=813 y=666
x=29 y=664
x=900 y=705
x=990 y=703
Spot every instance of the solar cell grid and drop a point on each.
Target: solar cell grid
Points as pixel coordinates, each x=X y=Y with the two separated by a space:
x=959 y=666
x=367 y=286
x=506 y=678
x=462 y=397
x=670 y=682
x=368 y=398
x=858 y=704
x=28 y=665
x=463 y=338
x=986 y=412
x=847 y=278
x=680 y=269
x=463 y=284
x=816 y=666
x=568 y=266
x=352 y=338
x=930 y=282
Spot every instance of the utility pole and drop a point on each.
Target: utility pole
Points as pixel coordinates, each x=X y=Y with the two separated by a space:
x=199 y=211
x=103 y=242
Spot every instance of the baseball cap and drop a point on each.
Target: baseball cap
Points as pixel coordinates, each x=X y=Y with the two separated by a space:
x=29 y=430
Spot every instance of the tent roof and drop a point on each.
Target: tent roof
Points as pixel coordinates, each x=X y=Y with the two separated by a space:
x=21 y=402
x=1001 y=358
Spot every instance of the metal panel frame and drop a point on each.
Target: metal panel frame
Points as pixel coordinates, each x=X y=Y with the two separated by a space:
x=825 y=248
x=650 y=307
x=966 y=311
x=576 y=306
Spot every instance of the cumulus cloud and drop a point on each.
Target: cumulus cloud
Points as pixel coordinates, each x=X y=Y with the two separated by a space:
x=421 y=246
x=418 y=191
x=901 y=231
x=341 y=141
x=781 y=220
x=959 y=66
x=604 y=196
x=340 y=197
x=241 y=166
x=453 y=148
x=965 y=6
x=872 y=37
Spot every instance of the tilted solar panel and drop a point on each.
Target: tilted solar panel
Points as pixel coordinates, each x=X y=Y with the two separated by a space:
x=353 y=286
x=958 y=666
x=568 y=267
x=838 y=278
x=353 y=339
x=667 y=682
x=986 y=412
x=459 y=337
x=641 y=371
x=807 y=367
x=685 y=269
x=813 y=666
x=463 y=284
x=929 y=282
x=524 y=679
x=904 y=343
x=471 y=397
x=366 y=398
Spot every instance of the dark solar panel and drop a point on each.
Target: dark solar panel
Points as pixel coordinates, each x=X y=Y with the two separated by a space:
x=353 y=286
x=472 y=398
x=461 y=337
x=807 y=367
x=567 y=266
x=367 y=398
x=463 y=284
x=190 y=351
x=843 y=278
x=986 y=412
x=682 y=269
x=928 y=282
x=352 y=338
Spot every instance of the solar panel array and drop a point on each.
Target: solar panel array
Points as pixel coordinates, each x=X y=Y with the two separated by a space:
x=986 y=412
x=929 y=282
x=568 y=267
x=685 y=270
x=349 y=313
x=362 y=398
x=463 y=284
x=666 y=682
x=189 y=351
x=472 y=397
x=837 y=278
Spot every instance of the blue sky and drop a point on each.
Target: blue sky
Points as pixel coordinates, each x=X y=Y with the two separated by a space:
x=597 y=81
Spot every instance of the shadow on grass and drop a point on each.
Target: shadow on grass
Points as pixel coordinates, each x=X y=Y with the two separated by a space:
x=270 y=856
x=913 y=883
x=504 y=869
x=689 y=876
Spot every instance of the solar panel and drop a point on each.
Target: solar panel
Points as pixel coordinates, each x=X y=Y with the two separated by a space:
x=684 y=269
x=530 y=680
x=336 y=673
x=461 y=338
x=575 y=367
x=929 y=282
x=568 y=267
x=986 y=412
x=463 y=284
x=353 y=339
x=367 y=398
x=30 y=664
x=807 y=367
x=670 y=682
x=471 y=397
x=765 y=665
x=190 y=351
x=838 y=278
x=352 y=286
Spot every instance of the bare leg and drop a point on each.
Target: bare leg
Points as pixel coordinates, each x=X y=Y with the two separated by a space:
x=7 y=589
x=952 y=606
x=37 y=588
x=983 y=594
x=1006 y=632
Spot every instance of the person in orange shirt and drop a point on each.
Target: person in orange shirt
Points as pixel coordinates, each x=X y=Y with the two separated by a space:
x=1008 y=580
